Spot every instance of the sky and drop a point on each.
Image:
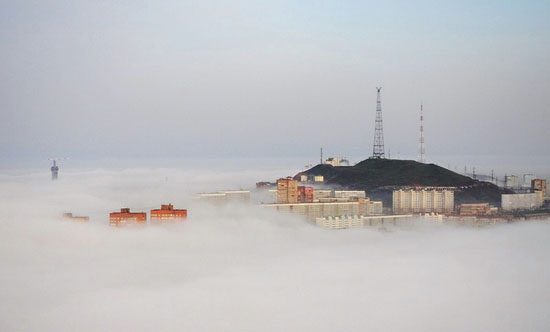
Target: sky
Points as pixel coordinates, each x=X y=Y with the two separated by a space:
x=272 y=79
x=244 y=268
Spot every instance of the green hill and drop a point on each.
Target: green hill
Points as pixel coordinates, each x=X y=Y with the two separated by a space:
x=378 y=177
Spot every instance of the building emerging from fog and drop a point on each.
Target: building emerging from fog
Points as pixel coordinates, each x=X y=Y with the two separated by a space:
x=358 y=221
x=423 y=200
x=512 y=202
x=168 y=213
x=476 y=209
x=287 y=191
x=225 y=197
x=125 y=217
x=55 y=170
x=319 y=209
x=511 y=181
x=70 y=216
x=314 y=203
x=540 y=185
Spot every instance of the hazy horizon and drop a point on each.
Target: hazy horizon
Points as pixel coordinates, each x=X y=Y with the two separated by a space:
x=207 y=79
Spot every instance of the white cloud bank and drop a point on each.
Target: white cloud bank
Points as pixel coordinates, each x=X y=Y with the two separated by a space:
x=239 y=269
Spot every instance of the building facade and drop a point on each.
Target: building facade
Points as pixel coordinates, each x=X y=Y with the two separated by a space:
x=287 y=191
x=224 y=197
x=511 y=181
x=168 y=213
x=71 y=217
x=540 y=185
x=333 y=161
x=476 y=209
x=512 y=202
x=344 y=222
x=350 y=194
x=423 y=200
x=318 y=209
x=305 y=194
x=125 y=217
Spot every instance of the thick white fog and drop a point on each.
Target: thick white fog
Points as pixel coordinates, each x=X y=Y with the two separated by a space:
x=246 y=269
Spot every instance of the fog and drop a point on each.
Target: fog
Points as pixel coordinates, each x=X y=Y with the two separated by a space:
x=240 y=268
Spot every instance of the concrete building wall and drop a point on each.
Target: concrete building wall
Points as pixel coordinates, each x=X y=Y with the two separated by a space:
x=511 y=181
x=287 y=191
x=423 y=200
x=342 y=222
x=376 y=207
x=242 y=196
x=333 y=161
x=521 y=201
x=539 y=184
x=349 y=194
x=212 y=198
x=314 y=210
x=224 y=197
x=321 y=193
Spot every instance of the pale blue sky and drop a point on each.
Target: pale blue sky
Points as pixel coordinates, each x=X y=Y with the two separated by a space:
x=272 y=79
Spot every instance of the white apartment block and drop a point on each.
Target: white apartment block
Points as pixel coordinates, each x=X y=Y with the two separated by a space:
x=423 y=200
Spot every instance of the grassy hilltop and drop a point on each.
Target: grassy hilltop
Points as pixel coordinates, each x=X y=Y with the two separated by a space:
x=378 y=177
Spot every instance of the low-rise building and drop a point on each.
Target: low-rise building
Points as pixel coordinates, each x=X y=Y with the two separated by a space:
x=321 y=193
x=333 y=161
x=212 y=198
x=265 y=185
x=476 y=209
x=240 y=196
x=125 y=217
x=350 y=194
x=70 y=216
x=322 y=209
x=343 y=222
x=224 y=197
x=423 y=200
x=168 y=213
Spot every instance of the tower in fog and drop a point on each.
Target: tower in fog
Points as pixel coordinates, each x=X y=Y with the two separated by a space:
x=54 y=170
x=378 y=146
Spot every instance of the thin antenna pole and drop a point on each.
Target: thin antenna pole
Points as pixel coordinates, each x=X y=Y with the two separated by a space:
x=422 y=150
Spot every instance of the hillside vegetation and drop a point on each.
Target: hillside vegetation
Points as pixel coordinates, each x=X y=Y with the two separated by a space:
x=379 y=176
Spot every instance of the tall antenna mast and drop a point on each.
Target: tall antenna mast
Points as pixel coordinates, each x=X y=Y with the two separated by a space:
x=378 y=146
x=422 y=152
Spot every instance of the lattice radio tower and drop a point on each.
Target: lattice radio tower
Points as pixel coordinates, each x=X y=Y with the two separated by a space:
x=422 y=150
x=378 y=146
